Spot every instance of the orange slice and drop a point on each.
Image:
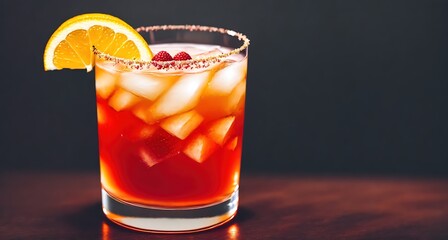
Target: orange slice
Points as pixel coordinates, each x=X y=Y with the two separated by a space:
x=71 y=44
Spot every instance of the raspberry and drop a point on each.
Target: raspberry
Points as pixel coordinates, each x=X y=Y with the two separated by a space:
x=182 y=56
x=162 y=56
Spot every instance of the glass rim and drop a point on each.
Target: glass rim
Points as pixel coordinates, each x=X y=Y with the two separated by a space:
x=196 y=63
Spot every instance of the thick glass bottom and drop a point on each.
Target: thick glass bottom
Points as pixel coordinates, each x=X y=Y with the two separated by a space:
x=169 y=220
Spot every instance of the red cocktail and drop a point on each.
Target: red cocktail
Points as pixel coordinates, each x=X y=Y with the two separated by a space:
x=171 y=131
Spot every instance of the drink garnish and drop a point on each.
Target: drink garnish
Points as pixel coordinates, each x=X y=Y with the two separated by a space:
x=162 y=56
x=71 y=45
x=182 y=56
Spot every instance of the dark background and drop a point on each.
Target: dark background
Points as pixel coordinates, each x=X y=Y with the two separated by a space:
x=358 y=87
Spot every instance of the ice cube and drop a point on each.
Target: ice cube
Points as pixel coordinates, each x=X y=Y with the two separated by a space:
x=215 y=107
x=219 y=129
x=122 y=99
x=161 y=144
x=181 y=97
x=227 y=78
x=200 y=148
x=231 y=145
x=141 y=132
x=148 y=157
x=105 y=81
x=146 y=131
x=236 y=97
x=100 y=114
x=214 y=52
x=207 y=53
x=141 y=110
x=149 y=86
x=183 y=124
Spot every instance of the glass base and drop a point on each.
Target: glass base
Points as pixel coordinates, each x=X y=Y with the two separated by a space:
x=166 y=220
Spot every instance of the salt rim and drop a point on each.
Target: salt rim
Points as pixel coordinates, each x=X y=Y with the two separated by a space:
x=196 y=63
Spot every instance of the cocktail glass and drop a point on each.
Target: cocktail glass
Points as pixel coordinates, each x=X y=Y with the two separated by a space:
x=171 y=132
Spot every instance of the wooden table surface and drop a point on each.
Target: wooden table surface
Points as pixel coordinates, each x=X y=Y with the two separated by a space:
x=62 y=205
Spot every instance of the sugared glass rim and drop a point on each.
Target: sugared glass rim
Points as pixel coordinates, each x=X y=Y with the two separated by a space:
x=196 y=63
